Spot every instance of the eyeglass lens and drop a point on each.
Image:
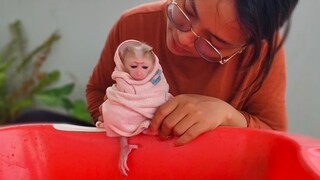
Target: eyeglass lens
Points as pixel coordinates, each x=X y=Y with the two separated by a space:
x=177 y=17
x=182 y=23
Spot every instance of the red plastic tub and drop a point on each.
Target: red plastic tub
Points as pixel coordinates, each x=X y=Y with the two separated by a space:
x=58 y=151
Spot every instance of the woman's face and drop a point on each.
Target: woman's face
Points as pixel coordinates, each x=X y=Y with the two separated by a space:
x=214 y=20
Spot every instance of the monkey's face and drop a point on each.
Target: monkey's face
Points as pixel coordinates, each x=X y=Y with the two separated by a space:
x=138 y=68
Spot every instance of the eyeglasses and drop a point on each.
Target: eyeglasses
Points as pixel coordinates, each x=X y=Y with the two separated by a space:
x=205 y=49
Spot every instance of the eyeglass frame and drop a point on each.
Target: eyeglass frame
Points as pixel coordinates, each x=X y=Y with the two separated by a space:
x=222 y=60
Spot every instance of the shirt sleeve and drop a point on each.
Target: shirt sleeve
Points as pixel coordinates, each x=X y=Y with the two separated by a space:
x=100 y=78
x=266 y=108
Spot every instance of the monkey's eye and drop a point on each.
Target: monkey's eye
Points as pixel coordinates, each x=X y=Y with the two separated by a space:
x=145 y=67
x=133 y=66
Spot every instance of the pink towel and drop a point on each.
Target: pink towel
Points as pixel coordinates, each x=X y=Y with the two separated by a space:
x=131 y=103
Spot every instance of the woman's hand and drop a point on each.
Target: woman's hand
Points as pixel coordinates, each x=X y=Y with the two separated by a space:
x=187 y=116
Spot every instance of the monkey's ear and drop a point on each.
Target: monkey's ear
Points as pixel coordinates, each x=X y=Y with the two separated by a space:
x=124 y=50
x=120 y=52
x=146 y=47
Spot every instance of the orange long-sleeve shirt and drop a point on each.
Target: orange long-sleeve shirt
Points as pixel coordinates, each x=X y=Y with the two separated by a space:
x=189 y=75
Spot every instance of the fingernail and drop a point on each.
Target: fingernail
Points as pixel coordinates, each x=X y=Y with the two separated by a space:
x=168 y=137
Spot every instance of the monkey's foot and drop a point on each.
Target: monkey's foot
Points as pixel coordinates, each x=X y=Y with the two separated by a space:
x=124 y=153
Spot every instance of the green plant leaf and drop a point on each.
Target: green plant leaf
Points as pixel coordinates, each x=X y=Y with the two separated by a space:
x=17 y=38
x=2 y=81
x=53 y=101
x=27 y=84
x=18 y=88
x=4 y=66
x=47 y=80
x=8 y=51
x=20 y=104
x=80 y=111
x=56 y=97
x=58 y=92
x=43 y=47
x=6 y=60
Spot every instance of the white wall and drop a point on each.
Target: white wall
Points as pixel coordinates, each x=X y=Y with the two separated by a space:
x=303 y=67
x=84 y=25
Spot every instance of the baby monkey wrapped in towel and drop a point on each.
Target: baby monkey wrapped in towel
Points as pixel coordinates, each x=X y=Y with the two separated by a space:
x=139 y=90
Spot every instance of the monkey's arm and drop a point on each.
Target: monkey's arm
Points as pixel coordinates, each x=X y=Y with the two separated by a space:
x=124 y=86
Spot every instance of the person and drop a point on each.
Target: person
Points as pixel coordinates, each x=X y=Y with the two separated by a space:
x=224 y=62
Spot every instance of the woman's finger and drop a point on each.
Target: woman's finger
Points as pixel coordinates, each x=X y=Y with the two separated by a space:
x=170 y=121
x=184 y=124
x=162 y=112
x=193 y=132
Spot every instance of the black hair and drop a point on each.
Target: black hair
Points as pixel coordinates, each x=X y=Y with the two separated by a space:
x=262 y=20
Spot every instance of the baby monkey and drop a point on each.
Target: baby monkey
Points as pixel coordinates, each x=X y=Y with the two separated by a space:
x=138 y=60
x=140 y=88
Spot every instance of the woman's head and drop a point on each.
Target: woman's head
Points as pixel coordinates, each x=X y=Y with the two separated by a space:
x=204 y=28
x=228 y=25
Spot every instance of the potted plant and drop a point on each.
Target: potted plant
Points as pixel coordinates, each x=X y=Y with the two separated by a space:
x=23 y=83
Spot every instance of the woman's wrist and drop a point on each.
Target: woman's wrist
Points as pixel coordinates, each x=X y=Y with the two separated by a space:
x=235 y=118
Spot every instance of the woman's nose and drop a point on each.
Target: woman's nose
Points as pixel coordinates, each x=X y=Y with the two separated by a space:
x=186 y=38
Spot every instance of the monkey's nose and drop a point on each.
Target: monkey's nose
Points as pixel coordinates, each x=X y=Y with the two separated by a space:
x=139 y=76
